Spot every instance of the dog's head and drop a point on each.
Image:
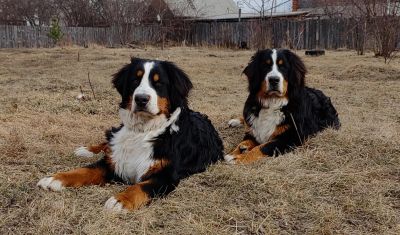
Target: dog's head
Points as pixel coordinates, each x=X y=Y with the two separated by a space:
x=275 y=74
x=150 y=88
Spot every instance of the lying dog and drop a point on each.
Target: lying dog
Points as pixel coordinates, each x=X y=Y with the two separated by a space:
x=280 y=112
x=159 y=142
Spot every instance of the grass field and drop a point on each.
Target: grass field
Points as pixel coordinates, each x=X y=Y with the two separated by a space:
x=341 y=182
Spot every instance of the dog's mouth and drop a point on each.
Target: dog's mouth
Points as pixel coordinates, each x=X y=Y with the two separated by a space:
x=274 y=92
x=143 y=113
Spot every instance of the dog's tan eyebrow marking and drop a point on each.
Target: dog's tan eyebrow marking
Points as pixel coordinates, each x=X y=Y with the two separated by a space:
x=280 y=62
x=156 y=77
x=139 y=73
x=269 y=61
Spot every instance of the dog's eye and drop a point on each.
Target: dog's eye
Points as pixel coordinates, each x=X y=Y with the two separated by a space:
x=269 y=62
x=280 y=62
x=139 y=73
x=156 y=77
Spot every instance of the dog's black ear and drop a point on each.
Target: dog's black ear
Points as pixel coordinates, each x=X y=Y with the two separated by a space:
x=120 y=81
x=120 y=78
x=297 y=68
x=251 y=69
x=254 y=69
x=180 y=85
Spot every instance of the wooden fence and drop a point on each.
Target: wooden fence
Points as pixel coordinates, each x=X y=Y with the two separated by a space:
x=293 y=33
x=300 y=34
x=26 y=36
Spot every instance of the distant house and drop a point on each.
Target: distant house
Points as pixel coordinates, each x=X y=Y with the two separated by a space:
x=325 y=7
x=227 y=10
x=309 y=4
x=312 y=7
x=296 y=5
x=203 y=8
x=313 y=3
x=192 y=9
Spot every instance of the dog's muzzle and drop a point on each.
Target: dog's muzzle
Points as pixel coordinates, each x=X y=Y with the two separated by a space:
x=274 y=84
x=141 y=101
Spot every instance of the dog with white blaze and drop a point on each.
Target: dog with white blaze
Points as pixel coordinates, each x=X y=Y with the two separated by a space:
x=280 y=112
x=160 y=141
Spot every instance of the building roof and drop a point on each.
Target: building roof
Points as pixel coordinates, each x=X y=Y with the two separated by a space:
x=247 y=16
x=203 y=9
x=218 y=10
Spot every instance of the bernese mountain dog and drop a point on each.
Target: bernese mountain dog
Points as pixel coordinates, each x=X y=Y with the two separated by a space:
x=280 y=112
x=160 y=141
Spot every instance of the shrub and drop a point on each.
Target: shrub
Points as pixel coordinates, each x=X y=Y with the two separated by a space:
x=55 y=32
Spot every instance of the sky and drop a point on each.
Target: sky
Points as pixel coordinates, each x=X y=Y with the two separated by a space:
x=284 y=5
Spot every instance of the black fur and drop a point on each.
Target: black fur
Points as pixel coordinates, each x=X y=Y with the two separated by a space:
x=194 y=147
x=190 y=150
x=308 y=110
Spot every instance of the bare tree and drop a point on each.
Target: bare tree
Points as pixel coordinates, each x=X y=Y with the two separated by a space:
x=263 y=8
x=124 y=15
x=80 y=12
x=32 y=12
x=376 y=20
x=122 y=12
x=383 y=18
x=173 y=18
x=345 y=10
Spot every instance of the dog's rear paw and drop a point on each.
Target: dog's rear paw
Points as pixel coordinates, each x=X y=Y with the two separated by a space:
x=83 y=152
x=49 y=183
x=234 y=123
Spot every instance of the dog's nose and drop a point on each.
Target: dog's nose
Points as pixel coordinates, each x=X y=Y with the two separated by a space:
x=141 y=100
x=273 y=81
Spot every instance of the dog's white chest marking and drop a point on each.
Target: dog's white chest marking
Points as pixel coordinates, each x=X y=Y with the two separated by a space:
x=132 y=154
x=132 y=149
x=269 y=117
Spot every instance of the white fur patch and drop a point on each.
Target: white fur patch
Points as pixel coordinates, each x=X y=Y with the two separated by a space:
x=113 y=205
x=145 y=89
x=269 y=117
x=174 y=128
x=275 y=71
x=234 y=123
x=49 y=183
x=83 y=152
x=132 y=147
x=230 y=159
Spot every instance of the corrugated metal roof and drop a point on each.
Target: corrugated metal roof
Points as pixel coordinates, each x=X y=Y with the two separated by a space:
x=202 y=8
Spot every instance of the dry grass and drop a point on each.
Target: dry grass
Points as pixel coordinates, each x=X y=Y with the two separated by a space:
x=344 y=182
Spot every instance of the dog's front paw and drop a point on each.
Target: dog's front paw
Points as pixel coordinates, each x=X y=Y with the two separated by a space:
x=230 y=159
x=83 y=152
x=49 y=183
x=234 y=123
x=131 y=199
x=112 y=204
